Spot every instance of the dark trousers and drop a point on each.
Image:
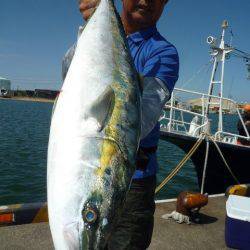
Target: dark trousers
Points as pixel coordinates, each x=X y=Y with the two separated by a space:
x=135 y=226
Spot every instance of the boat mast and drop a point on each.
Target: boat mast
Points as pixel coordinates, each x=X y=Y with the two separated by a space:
x=219 y=54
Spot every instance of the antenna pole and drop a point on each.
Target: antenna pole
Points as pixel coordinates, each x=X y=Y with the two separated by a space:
x=219 y=56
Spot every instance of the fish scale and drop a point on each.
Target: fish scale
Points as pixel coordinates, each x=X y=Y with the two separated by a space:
x=94 y=136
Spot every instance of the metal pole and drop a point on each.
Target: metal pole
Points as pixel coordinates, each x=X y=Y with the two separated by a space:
x=171 y=113
x=220 y=125
x=222 y=47
x=210 y=91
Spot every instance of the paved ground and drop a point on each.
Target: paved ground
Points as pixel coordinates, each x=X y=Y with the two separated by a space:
x=207 y=235
x=167 y=234
x=26 y=237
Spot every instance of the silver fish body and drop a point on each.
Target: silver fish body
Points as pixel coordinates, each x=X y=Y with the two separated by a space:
x=94 y=136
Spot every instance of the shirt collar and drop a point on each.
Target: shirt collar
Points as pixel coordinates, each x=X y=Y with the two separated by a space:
x=143 y=34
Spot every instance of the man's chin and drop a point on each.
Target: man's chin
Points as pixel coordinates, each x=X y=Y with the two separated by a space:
x=142 y=18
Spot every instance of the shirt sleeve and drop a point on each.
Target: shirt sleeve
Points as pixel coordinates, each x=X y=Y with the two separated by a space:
x=154 y=97
x=67 y=59
x=160 y=75
x=163 y=63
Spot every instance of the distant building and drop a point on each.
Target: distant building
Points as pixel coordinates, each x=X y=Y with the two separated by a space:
x=5 y=86
x=46 y=93
x=184 y=105
x=226 y=104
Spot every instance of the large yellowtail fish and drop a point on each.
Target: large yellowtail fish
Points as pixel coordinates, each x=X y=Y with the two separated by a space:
x=94 y=136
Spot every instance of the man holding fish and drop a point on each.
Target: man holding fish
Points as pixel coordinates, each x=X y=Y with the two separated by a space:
x=156 y=60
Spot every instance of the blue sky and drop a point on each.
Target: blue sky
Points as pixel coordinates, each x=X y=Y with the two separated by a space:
x=36 y=33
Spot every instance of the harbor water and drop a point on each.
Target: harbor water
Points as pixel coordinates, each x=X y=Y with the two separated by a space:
x=24 y=133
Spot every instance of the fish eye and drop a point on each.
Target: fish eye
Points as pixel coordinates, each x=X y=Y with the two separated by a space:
x=90 y=216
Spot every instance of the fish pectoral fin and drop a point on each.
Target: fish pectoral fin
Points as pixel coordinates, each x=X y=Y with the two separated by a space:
x=102 y=108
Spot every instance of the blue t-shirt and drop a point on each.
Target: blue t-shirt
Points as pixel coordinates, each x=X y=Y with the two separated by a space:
x=153 y=56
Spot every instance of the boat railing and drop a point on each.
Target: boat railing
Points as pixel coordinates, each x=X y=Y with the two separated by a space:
x=204 y=95
x=229 y=137
x=173 y=118
x=178 y=124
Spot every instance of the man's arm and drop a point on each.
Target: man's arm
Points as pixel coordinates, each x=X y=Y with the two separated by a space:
x=160 y=75
x=154 y=97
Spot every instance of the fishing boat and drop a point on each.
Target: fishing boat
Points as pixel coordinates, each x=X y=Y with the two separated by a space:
x=219 y=159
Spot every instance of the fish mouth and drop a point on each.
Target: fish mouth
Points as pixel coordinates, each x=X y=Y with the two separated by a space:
x=89 y=244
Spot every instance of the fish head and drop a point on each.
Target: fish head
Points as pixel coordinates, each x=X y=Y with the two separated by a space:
x=105 y=199
x=92 y=228
x=96 y=227
x=87 y=211
x=101 y=211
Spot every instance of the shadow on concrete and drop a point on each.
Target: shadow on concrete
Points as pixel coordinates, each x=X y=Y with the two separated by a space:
x=203 y=219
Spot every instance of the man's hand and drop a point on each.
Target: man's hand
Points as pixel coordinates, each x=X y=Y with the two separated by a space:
x=87 y=7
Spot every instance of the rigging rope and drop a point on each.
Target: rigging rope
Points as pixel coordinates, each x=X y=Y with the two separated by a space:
x=189 y=155
x=205 y=166
x=196 y=74
x=224 y=160
x=181 y=164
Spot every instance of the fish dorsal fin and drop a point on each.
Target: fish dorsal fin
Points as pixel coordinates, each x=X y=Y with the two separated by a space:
x=102 y=108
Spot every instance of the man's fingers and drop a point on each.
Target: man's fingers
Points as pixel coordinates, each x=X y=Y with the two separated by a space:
x=87 y=7
x=87 y=13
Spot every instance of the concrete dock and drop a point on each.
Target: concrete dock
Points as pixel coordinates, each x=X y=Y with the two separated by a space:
x=208 y=234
